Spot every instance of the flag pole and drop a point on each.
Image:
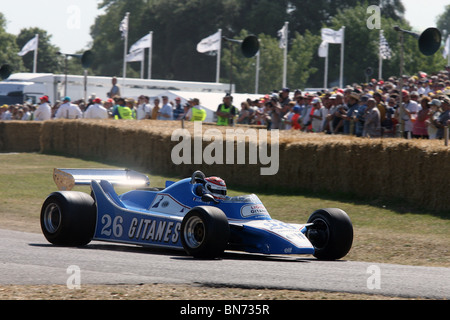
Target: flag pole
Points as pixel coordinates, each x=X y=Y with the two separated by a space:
x=219 y=57
x=142 y=64
x=258 y=62
x=286 y=24
x=150 y=56
x=36 y=55
x=341 y=76
x=325 y=80
x=448 y=50
x=125 y=48
x=380 y=65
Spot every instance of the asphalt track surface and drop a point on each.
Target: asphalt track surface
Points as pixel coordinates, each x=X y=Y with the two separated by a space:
x=28 y=259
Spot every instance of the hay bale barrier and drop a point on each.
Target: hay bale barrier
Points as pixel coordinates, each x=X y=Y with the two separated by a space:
x=414 y=171
x=19 y=136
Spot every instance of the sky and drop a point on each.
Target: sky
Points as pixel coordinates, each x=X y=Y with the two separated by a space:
x=69 y=21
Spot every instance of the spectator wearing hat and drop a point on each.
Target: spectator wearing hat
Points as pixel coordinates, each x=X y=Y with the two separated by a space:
x=166 y=112
x=372 y=123
x=361 y=115
x=68 y=110
x=96 y=110
x=330 y=108
x=296 y=117
x=443 y=119
x=287 y=118
x=178 y=109
x=7 y=113
x=3 y=110
x=420 y=126
x=274 y=113
x=434 y=113
x=109 y=106
x=197 y=112
x=122 y=111
x=350 y=116
x=226 y=112
x=44 y=111
x=317 y=115
x=144 y=109
x=339 y=112
x=284 y=97
x=406 y=113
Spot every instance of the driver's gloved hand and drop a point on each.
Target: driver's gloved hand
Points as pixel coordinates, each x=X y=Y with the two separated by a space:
x=199 y=190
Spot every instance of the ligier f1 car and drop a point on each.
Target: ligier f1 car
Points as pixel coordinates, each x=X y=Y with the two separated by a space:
x=193 y=214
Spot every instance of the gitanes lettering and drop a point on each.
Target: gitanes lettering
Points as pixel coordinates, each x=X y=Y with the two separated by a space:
x=154 y=230
x=254 y=210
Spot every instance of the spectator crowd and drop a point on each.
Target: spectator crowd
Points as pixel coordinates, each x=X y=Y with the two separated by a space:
x=415 y=106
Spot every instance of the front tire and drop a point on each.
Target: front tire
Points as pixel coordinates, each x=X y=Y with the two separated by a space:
x=205 y=232
x=68 y=218
x=331 y=233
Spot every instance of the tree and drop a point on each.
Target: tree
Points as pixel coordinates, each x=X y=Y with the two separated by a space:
x=178 y=26
x=302 y=52
x=48 y=59
x=362 y=47
x=8 y=54
x=313 y=15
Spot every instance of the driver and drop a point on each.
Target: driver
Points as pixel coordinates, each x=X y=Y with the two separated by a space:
x=216 y=187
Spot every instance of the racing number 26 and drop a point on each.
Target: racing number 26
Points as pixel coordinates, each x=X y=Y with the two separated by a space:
x=112 y=226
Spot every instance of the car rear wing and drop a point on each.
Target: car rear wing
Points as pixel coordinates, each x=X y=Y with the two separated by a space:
x=66 y=179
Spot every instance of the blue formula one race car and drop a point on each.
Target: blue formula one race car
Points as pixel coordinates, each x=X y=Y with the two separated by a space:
x=193 y=214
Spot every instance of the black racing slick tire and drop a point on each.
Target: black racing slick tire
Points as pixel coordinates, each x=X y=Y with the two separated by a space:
x=205 y=232
x=331 y=233
x=68 y=218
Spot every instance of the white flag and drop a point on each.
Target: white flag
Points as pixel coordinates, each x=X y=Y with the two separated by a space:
x=282 y=33
x=446 y=47
x=124 y=26
x=323 y=49
x=145 y=42
x=135 y=56
x=31 y=45
x=212 y=43
x=331 y=36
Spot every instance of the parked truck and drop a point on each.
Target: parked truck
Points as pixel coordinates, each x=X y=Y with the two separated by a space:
x=28 y=87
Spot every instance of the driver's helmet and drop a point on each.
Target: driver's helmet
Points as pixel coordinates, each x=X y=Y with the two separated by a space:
x=216 y=187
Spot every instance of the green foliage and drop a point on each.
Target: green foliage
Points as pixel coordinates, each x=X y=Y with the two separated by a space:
x=443 y=22
x=179 y=25
x=8 y=54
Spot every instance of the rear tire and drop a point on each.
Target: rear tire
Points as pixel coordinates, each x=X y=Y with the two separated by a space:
x=205 y=232
x=331 y=235
x=68 y=218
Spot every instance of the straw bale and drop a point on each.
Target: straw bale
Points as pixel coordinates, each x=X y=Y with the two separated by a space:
x=19 y=136
x=411 y=170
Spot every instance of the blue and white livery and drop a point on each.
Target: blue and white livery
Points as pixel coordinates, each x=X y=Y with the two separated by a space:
x=193 y=214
